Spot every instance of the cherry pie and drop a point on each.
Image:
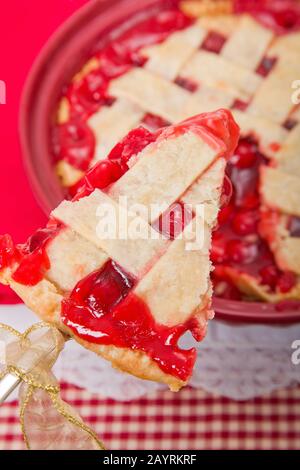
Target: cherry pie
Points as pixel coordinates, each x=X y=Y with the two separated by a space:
x=130 y=298
x=196 y=56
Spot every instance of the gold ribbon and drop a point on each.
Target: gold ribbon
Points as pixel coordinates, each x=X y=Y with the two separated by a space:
x=47 y=422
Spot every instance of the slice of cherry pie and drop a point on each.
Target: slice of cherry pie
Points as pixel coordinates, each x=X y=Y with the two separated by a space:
x=202 y=55
x=130 y=295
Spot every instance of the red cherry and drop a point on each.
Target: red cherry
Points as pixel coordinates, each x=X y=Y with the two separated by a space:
x=286 y=281
x=118 y=169
x=218 y=249
x=245 y=222
x=187 y=83
x=251 y=201
x=101 y=175
x=286 y=18
x=134 y=142
x=154 y=122
x=173 y=221
x=294 y=226
x=75 y=143
x=245 y=155
x=269 y=275
x=240 y=251
x=225 y=214
x=105 y=176
x=213 y=42
x=8 y=251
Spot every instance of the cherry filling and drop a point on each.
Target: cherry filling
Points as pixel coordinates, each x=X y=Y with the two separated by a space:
x=87 y=95
x=290 y=123
x=34 y=261
x=237 y=243
x=9 y=254
x=74 y=142
x=134 y=142
x=187 y=84
x=294 y=226
x=266 y=66
x=213 y=42
x=154 y=122
x=103 y=310
x=173 y=221
x=240 y=105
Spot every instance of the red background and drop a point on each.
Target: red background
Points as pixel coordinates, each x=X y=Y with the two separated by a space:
x=25 y=27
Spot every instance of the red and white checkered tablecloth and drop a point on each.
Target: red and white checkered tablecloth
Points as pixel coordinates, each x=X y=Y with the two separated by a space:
x=188 y=420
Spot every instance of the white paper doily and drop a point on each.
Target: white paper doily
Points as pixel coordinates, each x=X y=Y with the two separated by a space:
x=236 y=361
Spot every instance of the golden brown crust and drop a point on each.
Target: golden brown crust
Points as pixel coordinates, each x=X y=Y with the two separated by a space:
x=196 y=8
x=63 y=111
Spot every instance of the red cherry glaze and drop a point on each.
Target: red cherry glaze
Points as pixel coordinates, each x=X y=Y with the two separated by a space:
x=225 y=214
x=187 y=84
x=213 y=42
x=152 y=30
x=290 y=123
x=240 y=105
x=251 y=201
x=241 y=251
x=100 y=176
x=34 y=261
x=154 y=122
x=245 y=222
x=32 y=268
x=134 y=142
x=89 y=94
x=102 y=310
x=172 y=222
x=286 y=282
x=245 y=155
x=218 y=252
x=266 y=66
x=269 y=275
x=294 y=226
x=74 y=142
x=8 y=252
x=243 y=171
x=275 y=146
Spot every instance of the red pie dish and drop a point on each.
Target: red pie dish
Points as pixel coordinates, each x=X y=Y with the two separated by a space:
x=118 y=65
